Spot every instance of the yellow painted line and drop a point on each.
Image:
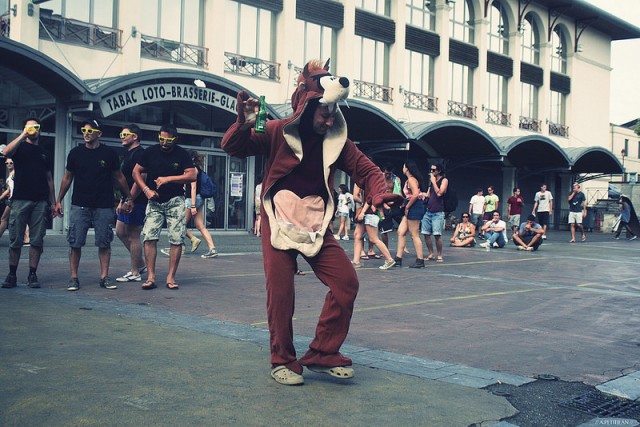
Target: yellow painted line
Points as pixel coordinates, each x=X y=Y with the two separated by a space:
x=444 y=264
x=608 y=281
x=435 y=300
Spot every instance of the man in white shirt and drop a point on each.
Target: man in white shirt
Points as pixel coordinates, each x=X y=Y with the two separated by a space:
x=476 y=209
x=543 y=205
x=496 y=232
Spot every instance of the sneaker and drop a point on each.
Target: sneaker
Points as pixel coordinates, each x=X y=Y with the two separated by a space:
x=398 y=261
x=211 y=253
x=345 y=238
x=336 y=236
x=544 y=237
x=32 y=281
x=418 y=264
x=387 y=265
x=633 y=237
x=105 y=282
x=521 y=248
x=167 y=251
x=617 y=237
x=195 y=242
x=529 y=248
x=484 y=245
x=496 y=245
x=10 y=282
x=74 y=284
x=356 y=264
x=129 y=277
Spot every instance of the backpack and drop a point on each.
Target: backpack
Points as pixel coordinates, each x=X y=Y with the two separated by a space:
x=450 y=200
x=207 y=187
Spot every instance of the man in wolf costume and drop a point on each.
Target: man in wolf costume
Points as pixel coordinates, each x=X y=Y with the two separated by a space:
x=301 y=154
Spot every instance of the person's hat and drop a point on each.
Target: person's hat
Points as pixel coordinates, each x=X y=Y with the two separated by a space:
x=531 y=218
x=92 y=122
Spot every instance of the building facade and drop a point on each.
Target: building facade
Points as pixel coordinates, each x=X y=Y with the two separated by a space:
x=503 y=92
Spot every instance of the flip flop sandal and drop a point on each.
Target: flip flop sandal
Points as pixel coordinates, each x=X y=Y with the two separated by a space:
x=430 y=258
x=376 y=256
x=173 y=285
x=439 y=259
x=149 y=285
x=286 y=376
x=364 y=257
x=335 y=371
x=300 y=273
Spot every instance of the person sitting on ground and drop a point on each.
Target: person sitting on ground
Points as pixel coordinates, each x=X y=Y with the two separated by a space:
x=529 y=236
x=464 y=235
x=496 y=232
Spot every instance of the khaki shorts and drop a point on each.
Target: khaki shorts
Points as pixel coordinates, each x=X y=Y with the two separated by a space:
x=33 y=214
x=575 y=217
x=173 y=212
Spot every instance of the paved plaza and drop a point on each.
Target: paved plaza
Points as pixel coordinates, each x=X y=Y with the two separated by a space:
x=428 y=345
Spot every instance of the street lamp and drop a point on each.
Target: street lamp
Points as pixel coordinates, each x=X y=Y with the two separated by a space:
x=623 y=153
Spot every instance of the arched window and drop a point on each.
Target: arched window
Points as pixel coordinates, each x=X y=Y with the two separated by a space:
x=530 y=41
x=559 y=52
x=462 y=26
x=498 y=29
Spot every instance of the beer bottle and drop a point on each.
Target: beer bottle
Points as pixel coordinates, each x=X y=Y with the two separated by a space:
x=261 y=118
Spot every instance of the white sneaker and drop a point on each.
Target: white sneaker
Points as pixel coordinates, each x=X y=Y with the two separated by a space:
x=544 y=237
x=484 y=245
x=345 y=238
x=336 y=236
x=387 y=265
x=129 y=277
x=211 y=253
x=529 y=248
x=521 y=248
x=633 y=237
x=496 y=245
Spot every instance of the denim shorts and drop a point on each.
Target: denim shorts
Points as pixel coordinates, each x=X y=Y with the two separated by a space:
x=33 y=214
x=81 y=219
x=416 y=211
x=136 y=216
x=371 y=220
x=432 y=223
x=199 y=202
x=172 y=211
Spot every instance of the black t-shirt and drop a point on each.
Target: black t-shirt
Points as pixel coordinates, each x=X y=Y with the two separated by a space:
x=31 y=167
x=128 y=163
x=92 y=175
x=160 y=163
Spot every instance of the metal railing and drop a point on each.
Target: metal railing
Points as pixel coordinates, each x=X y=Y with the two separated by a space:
x=372 y=91
x=420 y=101
x=529 y=123
x=78 y=32
x=461 y=109
x=5 y=24
x=498 y=117
x=558 y=129
x=169 y=50
x=250 y=66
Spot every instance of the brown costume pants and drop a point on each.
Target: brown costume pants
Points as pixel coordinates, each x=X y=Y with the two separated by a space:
x=333 y=267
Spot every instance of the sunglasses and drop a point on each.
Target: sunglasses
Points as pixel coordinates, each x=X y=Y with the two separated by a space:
x=123 y=135
x=36 y=127
x=434 y=170
x=89 y=131
x=9 y=163
x=465 y=216
x=161 y=139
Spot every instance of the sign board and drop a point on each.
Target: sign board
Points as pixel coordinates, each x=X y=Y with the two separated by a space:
x=236 y=182
x=132 y=97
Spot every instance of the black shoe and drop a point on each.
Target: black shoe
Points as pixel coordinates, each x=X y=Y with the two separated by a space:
x=106 y=283
x=398 y=261
x=418 y=264
x=10 y=282
x=74 y=284
x=32 y=281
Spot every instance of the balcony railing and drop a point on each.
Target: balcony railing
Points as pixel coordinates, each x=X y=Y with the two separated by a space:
x=372 y=91
x=169 y=50
x=420 y=101
x=250 y=66
x=461 y=109
x=78 y=32
x=529 y=123
x=558 y=129
x=498 y=117
x=5 y=24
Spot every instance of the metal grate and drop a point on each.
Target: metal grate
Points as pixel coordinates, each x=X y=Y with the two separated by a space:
x=603 y=405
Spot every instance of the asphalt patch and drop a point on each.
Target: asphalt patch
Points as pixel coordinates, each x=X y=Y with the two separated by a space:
x=538 y=403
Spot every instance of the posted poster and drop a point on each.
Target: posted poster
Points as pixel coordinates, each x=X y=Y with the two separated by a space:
x=236 y=180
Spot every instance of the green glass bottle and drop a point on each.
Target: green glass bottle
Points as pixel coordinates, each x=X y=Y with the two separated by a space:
x=261 y=118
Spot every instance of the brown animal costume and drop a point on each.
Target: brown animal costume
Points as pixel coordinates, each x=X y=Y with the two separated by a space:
x=297 y=208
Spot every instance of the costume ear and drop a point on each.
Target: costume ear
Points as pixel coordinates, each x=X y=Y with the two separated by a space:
x=326 y=65
x=305 y=71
